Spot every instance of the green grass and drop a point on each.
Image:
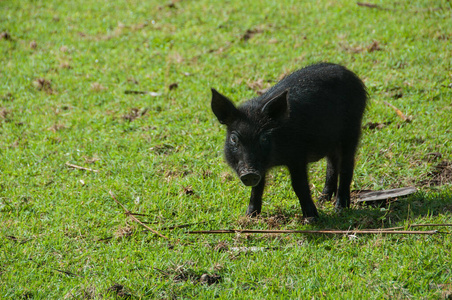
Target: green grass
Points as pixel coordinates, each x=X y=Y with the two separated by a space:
x=64 y=70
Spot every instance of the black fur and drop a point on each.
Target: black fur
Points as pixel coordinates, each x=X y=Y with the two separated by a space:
x=313 y=113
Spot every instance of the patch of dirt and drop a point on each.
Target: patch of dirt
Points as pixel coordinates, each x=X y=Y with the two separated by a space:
x=89 y=293
x=246 y=221
x=188 y=190
x=221 y=247
x=226 y=177
x=206 y=174
x=119 y=291
x=7 y=97
x=433 y=156
x=184 y=272
x=440 y=174
x=57 y=127
x=91 y=160
x=97 y=87
x=273 y=221
x=376 y=125
x=162 y=148
x=27 y=295
x=170 y=5
x=134 y=114
x=5 y=36
x=374 y=46
x=176 y=173
x=276 y=221
x=65 y=65
x=209 y=279
x=132 y=80
x=259 y=86
x=394 y=92
x=5 y=114
x=124 y=232
x=33 y=45
x=43 y=84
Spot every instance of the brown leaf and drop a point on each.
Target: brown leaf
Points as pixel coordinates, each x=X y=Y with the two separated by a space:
x=173 y=86
x=250 y=33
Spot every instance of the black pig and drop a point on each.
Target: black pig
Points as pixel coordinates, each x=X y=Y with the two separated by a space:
x=313 y=113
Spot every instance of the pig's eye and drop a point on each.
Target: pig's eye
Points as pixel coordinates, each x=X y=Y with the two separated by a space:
x=234 y=139
x=263 y=139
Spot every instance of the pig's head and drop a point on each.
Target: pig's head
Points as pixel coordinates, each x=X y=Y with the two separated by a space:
x=250 y=132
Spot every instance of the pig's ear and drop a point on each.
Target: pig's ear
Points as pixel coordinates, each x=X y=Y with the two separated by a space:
x=277 y=107
x=223 y=108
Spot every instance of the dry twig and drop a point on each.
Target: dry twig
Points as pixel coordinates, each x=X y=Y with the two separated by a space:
x=314 y=231
x=131 y=215
x=80 y=168
x=181 y=226
x=413 y=226
x=398 y=112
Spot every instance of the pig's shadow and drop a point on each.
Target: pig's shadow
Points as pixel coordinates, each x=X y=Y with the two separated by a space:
x=392 y=214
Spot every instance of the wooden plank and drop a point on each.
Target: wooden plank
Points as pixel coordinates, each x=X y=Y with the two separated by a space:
x=367 y=196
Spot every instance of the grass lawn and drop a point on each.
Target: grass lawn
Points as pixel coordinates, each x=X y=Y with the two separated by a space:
x=122 y=89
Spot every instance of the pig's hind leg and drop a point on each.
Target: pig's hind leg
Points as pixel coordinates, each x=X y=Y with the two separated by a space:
x=346 y=167
x=332 y=174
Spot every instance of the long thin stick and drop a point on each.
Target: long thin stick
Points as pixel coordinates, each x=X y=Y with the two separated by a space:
x=181 y=226
x=127 y=212
x=80 y=168
x=313 y=231
x=412 y=226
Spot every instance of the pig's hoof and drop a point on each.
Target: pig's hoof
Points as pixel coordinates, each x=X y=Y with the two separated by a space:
x=253 y=214
x=324 y=198
x=310 y=220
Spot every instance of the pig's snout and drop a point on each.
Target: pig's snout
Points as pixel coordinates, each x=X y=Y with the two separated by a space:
x=250 y=178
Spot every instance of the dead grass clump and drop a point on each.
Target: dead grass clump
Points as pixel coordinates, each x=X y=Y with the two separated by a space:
x=440 y=174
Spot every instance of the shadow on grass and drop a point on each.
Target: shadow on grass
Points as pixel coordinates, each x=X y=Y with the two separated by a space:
x=402 y=212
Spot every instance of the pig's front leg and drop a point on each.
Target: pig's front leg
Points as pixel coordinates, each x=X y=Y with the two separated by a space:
x=300 y=185
x=255 y=206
